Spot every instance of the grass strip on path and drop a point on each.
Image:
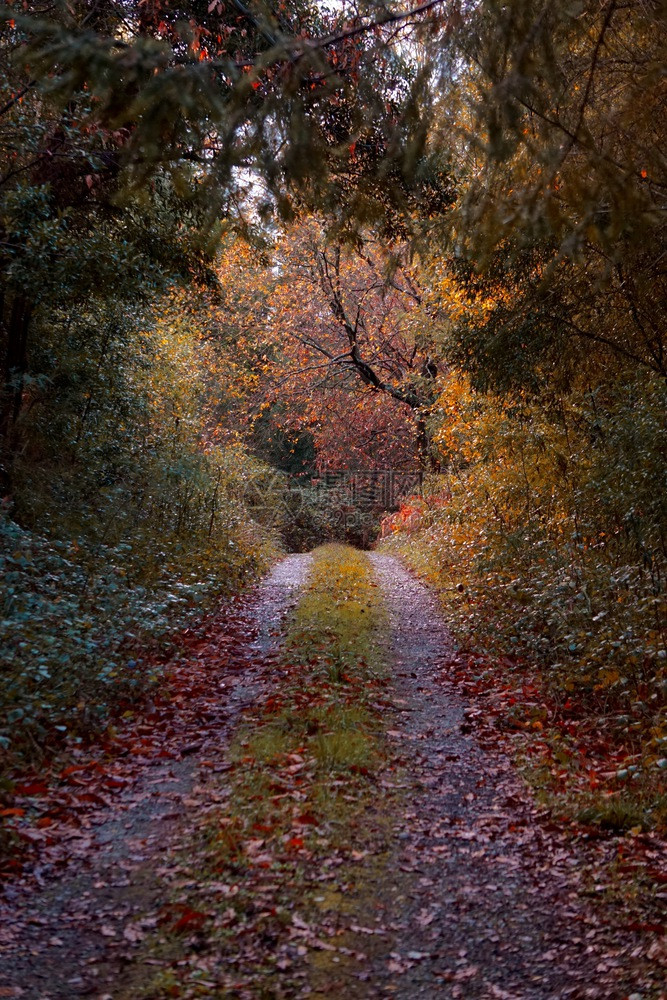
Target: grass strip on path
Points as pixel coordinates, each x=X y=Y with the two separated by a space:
x=265 y=888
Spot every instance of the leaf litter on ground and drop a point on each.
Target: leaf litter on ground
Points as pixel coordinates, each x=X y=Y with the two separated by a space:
x=289 y=900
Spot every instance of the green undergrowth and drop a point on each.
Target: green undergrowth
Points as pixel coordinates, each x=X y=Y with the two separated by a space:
x=303 y=807
x=626 y=798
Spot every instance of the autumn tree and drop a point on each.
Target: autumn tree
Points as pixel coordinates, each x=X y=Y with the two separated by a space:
x=352 y=358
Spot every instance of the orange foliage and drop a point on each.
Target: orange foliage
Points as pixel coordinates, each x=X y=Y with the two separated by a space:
x=349 y=362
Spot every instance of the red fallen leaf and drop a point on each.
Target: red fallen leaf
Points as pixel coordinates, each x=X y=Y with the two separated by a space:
x=79 y=782
x=31 y=788
x=44 y=821
x=12 y=812
x=96 y=766
x=295 y=842
x=9 y=867
x=115 y=782
x=308 y=819
x=92 y=797
x=638 y=925
x=72 y=769
x=190 y=920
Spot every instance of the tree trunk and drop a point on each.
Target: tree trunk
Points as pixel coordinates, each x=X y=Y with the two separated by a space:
x=16 y=329
x=427 y=460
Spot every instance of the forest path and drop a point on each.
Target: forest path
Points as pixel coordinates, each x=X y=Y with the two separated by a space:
x=71 y=926
x=451 y=885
